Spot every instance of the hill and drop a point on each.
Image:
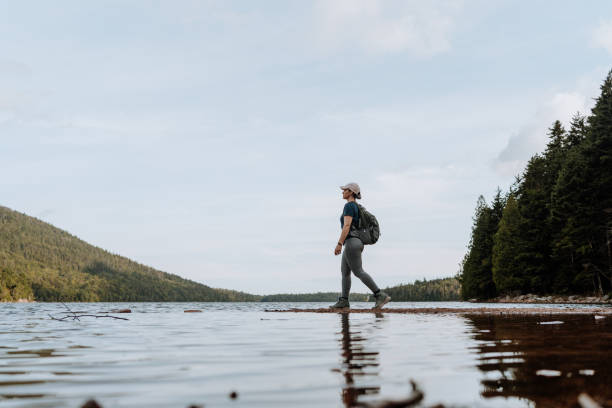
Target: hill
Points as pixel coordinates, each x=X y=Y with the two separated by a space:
x=41 y=262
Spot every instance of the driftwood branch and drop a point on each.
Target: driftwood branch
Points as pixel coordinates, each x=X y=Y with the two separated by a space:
x=71 y=315
x=76 y=317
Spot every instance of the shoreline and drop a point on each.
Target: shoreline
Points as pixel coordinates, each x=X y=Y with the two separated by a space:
x=521 y=299
x=19 y=301
x=550 y=299
x=475 y=310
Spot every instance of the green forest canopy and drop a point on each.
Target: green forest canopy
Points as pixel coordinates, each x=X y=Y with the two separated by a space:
x=551 y=232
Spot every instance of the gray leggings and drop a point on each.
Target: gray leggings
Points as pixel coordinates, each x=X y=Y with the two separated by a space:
x=351 y=261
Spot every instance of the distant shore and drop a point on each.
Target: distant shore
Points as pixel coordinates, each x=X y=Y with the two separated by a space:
x=528 y=299
x=503 y=311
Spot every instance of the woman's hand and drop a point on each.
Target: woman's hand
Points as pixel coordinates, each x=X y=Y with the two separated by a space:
x=338 y=249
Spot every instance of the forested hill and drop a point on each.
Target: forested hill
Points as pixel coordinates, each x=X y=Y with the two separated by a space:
x=551 y=232
x=41 y=262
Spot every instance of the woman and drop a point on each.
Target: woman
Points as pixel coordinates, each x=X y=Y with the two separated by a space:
x=353 y=247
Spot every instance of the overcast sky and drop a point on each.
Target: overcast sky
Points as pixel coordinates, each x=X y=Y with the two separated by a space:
x=208 y=138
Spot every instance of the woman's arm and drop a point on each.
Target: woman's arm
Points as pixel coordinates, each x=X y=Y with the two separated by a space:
x=345 y=231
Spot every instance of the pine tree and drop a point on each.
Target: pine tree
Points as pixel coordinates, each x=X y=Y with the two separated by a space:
x=507 y=268
x=577 y=132
x=534 y=232
x=568 y=246
x=476 y=274
x=556 y=136
x=565 y=199
x=497 y=210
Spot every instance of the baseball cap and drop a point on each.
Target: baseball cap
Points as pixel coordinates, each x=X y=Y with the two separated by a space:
x=354 y=187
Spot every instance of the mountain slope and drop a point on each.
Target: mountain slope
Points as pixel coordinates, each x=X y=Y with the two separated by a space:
x=41 y=262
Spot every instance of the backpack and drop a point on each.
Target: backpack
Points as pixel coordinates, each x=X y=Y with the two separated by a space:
x=368 y=230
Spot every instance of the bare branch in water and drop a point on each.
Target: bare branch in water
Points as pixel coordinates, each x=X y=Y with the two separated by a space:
x=76 y=317
x=70 y=315
x=74 y=314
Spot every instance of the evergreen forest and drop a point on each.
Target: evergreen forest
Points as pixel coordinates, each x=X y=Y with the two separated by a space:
x=41 y=262
x=551 y=232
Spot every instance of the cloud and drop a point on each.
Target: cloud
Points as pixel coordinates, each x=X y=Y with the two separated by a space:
x=532 y=137
x=420 y=28
x=602 y=36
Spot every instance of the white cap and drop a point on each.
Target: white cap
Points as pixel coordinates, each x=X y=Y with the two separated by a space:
x=354 y=187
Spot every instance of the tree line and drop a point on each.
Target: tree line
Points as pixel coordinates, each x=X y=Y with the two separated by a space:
x=551 y=232
x=447 y=289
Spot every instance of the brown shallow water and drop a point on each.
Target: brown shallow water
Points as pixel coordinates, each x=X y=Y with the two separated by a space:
x=163 y=357
x=547 y=362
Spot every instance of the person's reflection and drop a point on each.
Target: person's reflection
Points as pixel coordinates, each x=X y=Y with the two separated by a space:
x=549 y=360
x=356 y=362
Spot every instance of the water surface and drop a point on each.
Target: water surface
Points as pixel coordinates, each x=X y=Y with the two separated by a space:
x=163 y=357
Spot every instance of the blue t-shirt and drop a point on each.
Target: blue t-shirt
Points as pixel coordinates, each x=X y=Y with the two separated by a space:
x=351 y=209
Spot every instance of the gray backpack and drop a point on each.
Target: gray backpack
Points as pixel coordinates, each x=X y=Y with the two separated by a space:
x=369 y=230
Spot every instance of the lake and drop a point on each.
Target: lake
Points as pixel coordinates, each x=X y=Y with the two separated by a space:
x=163 y=357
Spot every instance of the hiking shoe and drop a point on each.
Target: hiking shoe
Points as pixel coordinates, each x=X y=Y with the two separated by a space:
x=340 y=304
x=381 y=299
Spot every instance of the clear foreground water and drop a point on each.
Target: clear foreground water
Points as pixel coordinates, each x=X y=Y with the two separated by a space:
x=163 y=357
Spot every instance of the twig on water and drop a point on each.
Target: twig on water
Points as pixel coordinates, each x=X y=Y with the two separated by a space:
x=70 y=315
x=76 y=317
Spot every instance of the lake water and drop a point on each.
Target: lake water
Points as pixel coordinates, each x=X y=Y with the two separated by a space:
x=163 y=357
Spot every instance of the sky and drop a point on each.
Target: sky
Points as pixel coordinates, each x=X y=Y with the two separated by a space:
x=209 y=138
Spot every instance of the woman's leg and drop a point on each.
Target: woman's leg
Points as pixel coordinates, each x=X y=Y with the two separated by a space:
x=346 y=276
x=352 y=251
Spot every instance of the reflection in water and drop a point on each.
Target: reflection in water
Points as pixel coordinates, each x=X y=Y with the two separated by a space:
x=357 y=361
x=167 y=358
x=549 y=360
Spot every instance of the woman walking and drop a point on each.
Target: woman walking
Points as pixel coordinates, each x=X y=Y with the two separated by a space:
x=353 y=247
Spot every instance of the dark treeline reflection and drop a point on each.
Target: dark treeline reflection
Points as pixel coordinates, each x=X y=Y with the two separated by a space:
x=549 y=360
x=359 y=364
